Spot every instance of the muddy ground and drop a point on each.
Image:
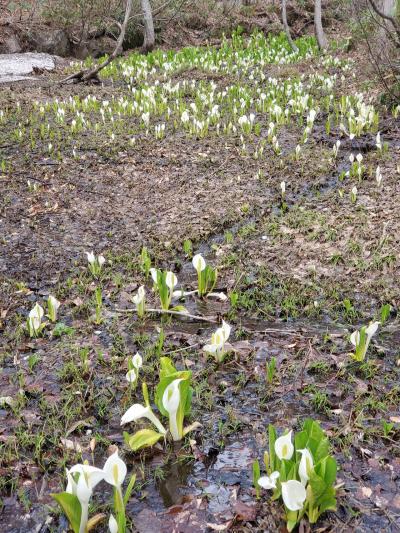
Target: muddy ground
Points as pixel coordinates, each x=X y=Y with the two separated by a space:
x=305 y=277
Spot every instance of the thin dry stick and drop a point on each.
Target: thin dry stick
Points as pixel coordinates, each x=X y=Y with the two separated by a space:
x=174 y=313
x=183 y=349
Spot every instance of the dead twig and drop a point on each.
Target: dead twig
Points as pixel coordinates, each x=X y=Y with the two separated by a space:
x=182 y=314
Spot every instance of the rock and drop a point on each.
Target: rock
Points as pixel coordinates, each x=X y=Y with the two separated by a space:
x=95 y=48
x=55 y=42
x=9 y=40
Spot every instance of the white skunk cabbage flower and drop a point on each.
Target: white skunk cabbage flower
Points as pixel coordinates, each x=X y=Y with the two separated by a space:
x=137 y=361
x=115 y=470
x=91 y=257
x=171 y=280
x=139 y=296
x=35 y=319
x=112 y=524
x=360 y=344
x=138 y=411
x=269 y=482
x=91 y=474
x=284 y=448
x=131 y=375
x=52 y=307
x=199 y=263
x=293 y=494
x=139 y=301
x=306 y=465
x=95 y=263
x=171 y=400
x=218 y=340
x=153 y=272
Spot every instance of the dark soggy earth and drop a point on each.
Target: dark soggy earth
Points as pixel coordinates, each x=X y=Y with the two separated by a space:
x=299 y=279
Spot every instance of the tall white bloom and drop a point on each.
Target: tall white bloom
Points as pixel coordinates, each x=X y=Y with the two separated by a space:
x=199 y=263
x=284 y=448
x=293 y=494
x=112 y=524
x=171 y=280
x=306 y=465
x=170 y=400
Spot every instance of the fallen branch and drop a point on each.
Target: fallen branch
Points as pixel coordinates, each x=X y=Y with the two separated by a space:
x=90 y=74
x=174 y=313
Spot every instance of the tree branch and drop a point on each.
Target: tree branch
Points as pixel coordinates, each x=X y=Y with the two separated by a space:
x=383 y=15
x=89 y=74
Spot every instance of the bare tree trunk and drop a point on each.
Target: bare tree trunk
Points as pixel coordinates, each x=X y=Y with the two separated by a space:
x=90 y=74
x=286 y=27
x=319 y=30
x=149 y=38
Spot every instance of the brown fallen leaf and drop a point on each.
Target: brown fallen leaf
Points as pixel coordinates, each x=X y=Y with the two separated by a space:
x=242 y=348
x=245 y=512
x=148 y=522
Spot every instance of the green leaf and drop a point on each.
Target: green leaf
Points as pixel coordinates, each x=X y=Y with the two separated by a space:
x=72 y=508
x=143 y=438
x=166 y=367
x=316 y=488
x=271 y=440
x=321 y=450
x=327 y=469
x=291 y=524
x=327 y=502
x=184 y=388
x=256 y=477
x=129 y=489
x=180 y=308
x=300 y=440
x=292 y=519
